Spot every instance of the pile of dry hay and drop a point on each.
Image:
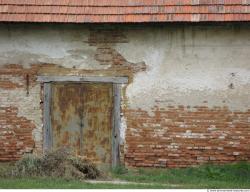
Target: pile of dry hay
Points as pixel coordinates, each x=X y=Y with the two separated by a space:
x=56 y=164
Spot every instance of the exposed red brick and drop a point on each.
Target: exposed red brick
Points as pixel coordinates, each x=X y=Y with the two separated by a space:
x=15 y=134
x=15 y=76
x=181 y=137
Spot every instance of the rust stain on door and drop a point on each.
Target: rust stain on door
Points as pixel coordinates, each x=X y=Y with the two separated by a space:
x=82 y=119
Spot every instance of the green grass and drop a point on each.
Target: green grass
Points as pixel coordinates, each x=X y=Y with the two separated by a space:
x=51 y=183
x=206 y=176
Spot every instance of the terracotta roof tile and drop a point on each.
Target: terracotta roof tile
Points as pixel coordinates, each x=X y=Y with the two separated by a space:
x=95 y=11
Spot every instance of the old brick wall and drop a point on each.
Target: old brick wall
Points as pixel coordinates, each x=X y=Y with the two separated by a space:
x=20 y=126
x=16 y=137
x=21 y=96
x=183 y=136
x=186 y=103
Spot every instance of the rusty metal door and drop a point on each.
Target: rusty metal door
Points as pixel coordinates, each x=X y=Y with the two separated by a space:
x=81 y=119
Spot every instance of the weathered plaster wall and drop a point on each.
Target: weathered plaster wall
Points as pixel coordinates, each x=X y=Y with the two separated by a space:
x=188 y=96
x=30 y=50
x=62 y=46
x=192 y=104
x=190 y=66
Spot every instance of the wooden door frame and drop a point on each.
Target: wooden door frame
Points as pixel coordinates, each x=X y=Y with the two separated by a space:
x=116 y=117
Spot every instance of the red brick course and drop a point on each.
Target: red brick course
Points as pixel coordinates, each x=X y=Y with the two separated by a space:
x=15 y=134
x=181 y=137
x=26 y=76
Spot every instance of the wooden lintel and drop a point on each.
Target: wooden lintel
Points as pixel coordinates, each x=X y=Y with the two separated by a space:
x=118 y=80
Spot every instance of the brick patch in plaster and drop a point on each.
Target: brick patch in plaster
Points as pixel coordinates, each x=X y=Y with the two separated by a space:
x=15 y=134
x=24 y=98
x=28 y=107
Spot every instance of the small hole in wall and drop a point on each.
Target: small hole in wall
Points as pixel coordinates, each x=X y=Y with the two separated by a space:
x=231 y=86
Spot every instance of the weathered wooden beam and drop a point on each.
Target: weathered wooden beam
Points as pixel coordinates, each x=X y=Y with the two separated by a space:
x=82 y=79
x=47 y=141
x=116 y=126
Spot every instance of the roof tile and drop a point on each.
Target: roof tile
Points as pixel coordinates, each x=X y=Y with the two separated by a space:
x=96 y=11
